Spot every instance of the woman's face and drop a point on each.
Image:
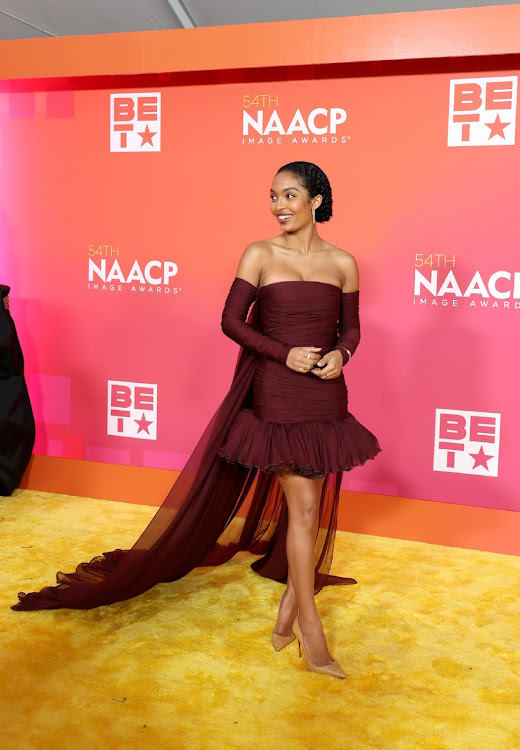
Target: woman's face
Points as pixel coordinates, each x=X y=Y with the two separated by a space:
x=290 y=202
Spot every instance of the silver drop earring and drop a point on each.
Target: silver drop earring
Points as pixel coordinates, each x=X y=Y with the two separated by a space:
x=314 y=216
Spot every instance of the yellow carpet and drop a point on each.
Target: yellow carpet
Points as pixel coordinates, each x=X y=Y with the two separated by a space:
x=429 y=638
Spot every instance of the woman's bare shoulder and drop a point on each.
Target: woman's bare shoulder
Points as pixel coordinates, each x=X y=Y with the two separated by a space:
x=339 y=253
x=347 y=264
x=259 y=247
x=254 y=260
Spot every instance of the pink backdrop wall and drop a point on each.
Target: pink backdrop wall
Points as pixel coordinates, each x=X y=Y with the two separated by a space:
x=435 y=375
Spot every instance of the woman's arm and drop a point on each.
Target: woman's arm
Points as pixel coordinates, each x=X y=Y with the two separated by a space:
x=252 y=263
x=242 y=293
x=239 y=300
x=331 y=364
x=349 y=332
x=348 y=324
x=350 y=273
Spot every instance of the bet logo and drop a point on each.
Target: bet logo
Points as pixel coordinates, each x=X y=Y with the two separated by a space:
x=132 y=409
x=466 y=442
x=482 y=111
x=135 y=122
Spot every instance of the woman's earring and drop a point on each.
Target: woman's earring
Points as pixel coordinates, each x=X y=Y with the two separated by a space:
x=314 y=216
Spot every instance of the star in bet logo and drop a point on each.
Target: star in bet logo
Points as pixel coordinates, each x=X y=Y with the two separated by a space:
x=132 y=409
x=466 y=442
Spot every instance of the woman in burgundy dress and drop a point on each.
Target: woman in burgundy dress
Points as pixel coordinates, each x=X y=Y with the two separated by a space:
x=299 y=424
x=266 y=474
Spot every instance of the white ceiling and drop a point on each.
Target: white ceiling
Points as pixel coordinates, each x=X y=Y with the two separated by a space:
x=41 y=18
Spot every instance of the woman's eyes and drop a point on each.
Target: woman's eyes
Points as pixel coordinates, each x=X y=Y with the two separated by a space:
x=289 y=195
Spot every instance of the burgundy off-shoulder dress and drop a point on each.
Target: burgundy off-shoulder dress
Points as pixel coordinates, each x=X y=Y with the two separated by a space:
x=296 y=421
x=228 y=498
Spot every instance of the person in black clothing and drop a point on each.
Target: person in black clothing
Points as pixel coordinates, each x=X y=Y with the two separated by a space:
x=17 y=430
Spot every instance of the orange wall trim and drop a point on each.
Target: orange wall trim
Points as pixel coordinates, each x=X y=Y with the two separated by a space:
x=459 y=32
x=452 y=525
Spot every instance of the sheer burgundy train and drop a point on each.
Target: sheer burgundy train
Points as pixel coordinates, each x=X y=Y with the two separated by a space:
x=228 y=498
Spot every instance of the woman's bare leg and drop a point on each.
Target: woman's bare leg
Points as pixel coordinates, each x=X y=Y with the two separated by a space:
x=303 y=502
x=287 y=610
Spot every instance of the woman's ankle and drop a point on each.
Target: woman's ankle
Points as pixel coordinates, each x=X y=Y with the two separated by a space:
x=309 y=620
x=288 y=595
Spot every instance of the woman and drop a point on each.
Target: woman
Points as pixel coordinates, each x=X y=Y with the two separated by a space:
x=285 y=417
x=300 y=197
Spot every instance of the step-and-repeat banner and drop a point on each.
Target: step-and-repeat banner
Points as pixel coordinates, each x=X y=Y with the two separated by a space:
x=124 y=213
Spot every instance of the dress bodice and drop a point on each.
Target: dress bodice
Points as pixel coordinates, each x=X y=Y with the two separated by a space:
x=301 y=313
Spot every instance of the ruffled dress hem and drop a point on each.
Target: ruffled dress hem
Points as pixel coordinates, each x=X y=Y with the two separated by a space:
x=311 y=449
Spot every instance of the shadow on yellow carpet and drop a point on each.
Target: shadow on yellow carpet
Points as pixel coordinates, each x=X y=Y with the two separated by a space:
x=429 y=638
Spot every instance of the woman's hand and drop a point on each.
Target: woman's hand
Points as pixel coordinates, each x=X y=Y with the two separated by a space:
x=6 y=302
x=303 y=358
x=333 y=362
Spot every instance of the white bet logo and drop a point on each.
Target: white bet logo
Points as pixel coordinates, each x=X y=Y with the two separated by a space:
x=482 y=111
x=132 y=409
x=135 y=122
x=466 y=442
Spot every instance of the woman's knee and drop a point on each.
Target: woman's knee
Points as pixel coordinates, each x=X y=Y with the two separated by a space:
x=304 y=511
x=302 y=496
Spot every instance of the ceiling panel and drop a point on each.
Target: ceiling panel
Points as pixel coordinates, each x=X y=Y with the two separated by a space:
x=71 y=17
x=10 y=28
x=211 y=13
x=36 y=18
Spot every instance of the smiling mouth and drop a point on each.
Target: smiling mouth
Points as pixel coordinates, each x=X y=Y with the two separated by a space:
x=284 y=217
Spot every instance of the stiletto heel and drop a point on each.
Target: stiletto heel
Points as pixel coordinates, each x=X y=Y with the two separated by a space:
x=332 y=670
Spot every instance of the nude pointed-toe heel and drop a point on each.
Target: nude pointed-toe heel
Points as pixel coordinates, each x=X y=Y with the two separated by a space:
x=332 y=670
x=281 y=641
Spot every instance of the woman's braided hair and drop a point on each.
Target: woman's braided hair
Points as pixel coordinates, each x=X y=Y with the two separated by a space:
x=316 y=182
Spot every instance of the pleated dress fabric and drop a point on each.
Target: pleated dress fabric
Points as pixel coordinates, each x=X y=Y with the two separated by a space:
x=297 y=421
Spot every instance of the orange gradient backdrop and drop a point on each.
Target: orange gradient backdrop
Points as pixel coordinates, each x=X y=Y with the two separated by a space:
x=399 y=192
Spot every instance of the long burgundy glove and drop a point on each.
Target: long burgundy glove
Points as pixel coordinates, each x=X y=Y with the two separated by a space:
x=239 y=300
x=348 y=329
